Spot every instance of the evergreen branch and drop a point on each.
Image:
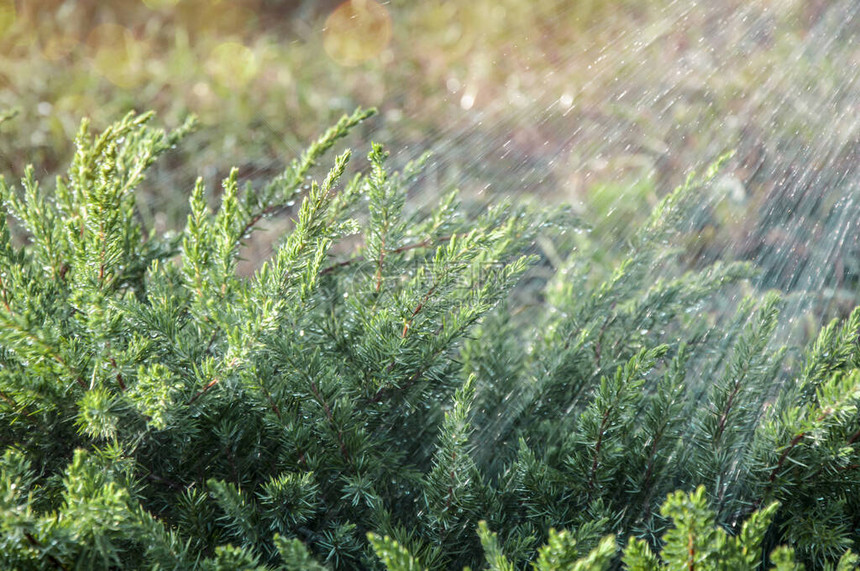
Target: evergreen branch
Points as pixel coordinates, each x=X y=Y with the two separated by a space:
x=276 y=196
x=606 y=412
x=784 y=456
x=9 y=400
x=272 y=404
x=649 y=470
x=831 y=352
x=330 y=418
x=379 y=269
x=5 y=295
x=661 y=418
x=195 y=245
x=736 y=394
x=825 y=413
x=601 y=432
x=211 y=384
x=120 y=381
x=736 y=387
x=427 y=243
x=492 y=550
x=407 y=323
x=377 y=397
x=38 y=545
x=598 y=344
x=319 y=392
x=10 y=322
x=394 y=556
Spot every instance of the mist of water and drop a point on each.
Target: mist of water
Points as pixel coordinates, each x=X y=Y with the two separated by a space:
x=556 y=117
x=701 y=78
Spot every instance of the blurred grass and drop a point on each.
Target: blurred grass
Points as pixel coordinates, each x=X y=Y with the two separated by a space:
x=592 y=102
x=258 y=74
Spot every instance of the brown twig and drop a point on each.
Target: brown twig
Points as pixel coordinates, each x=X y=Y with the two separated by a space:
x=119 y=380
x=784 y=456
x=272 y=404
x=203 y=391
x=691 y=551
x=417 y=310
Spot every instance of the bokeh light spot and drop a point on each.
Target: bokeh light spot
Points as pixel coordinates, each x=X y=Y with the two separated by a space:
x=118 y=57
x=357 y=30
x=232 y=64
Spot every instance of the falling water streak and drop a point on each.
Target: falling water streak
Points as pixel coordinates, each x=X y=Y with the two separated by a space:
x=781 y=89
x=815 y=181
x=773 y=99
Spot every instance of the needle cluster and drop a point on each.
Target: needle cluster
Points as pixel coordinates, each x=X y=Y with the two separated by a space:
x=397 y=404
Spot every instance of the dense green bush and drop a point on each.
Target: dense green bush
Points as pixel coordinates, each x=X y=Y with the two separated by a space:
x=399 y=403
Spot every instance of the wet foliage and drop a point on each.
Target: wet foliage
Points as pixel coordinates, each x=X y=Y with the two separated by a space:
x=397 y=387
x=602 y=105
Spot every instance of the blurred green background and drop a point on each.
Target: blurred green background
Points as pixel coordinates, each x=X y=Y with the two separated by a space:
x=601 y=104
